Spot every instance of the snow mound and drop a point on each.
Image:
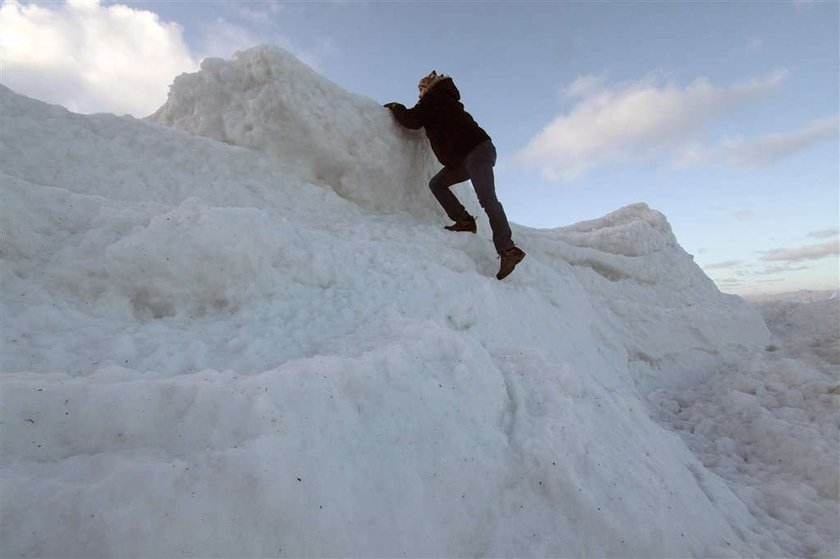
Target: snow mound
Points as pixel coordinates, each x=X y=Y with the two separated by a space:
x=267 y=100
x=121 y=158
x=642 y=283
x=809 y=320
x=257 y=359
x=770 y=424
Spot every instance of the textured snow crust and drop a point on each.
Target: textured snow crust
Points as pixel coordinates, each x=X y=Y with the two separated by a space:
x=266 y=100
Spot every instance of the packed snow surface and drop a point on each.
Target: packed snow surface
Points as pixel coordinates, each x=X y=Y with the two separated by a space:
x=237 y=329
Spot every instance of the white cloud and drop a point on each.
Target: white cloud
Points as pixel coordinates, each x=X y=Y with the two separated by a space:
x=223 y=38
x=695 y=154
x=634 y=119
x=810 y=252
x=89 y=57
x=258 y=12
x=750 y=270
x=726 y=264
x=729 y=282
x=765 y=150
x=823 y=233
x=772 y=148
x=585 y=86
x=780 y=269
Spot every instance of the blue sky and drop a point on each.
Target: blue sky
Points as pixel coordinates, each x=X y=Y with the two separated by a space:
x=721 y=115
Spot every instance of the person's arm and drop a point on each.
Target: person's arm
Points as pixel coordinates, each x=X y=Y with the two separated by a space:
x=410 y=118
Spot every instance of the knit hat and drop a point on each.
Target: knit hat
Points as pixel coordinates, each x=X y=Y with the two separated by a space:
x=430 y=81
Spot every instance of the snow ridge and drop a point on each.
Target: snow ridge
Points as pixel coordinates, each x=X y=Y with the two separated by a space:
x=267 y=100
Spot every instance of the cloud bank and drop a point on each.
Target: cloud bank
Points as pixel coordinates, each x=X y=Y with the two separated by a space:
x=89 y=57
x=821 y=234
x=766 y=150
x=635 y=119
x=774 y=147
x=810 y=252
x=725 y=264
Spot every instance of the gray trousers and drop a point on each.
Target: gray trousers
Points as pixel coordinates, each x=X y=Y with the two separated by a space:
x=478 y=167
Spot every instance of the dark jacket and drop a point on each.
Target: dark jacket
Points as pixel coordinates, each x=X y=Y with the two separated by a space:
x=451 y=130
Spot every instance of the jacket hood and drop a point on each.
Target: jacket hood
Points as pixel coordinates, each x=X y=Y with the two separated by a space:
x=434 y=82
x=447 y=87
x=443 y=87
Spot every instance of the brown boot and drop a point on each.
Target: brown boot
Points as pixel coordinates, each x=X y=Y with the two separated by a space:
x=463 y=225
x=510 y=258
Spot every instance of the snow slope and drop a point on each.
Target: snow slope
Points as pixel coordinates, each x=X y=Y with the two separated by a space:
x=769 y=424
x=807 y=320
x=267 y=345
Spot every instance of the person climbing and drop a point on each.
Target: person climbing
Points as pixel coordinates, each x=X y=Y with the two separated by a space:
x=466 y=152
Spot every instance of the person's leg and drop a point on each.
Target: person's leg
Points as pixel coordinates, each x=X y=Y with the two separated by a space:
x=479 y=164
x=439 y=186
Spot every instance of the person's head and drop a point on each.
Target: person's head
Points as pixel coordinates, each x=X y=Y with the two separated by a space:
x=428 y=82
